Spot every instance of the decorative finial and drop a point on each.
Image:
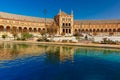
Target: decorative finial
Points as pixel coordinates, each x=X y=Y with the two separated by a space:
x=60 y=11
x=71 y=12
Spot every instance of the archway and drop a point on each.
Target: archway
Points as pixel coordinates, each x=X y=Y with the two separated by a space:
x=83 y=30
x=30 y=29
x=118 y=30
x=39 y=29
x=110 y=30
x=8 y=29
x=86 y=30
x=98 y=30
x=94 y=30
x=25 y=29
x=101 y=30
x=20 y=29
x=1 y=28
x=90 y=30
x=35 y=30
x=105 y=30
x=114 y=30
x=14 y=29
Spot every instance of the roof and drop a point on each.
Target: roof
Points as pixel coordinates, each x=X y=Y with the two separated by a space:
x=62 y=13
x=96 y=21
x=23 y=18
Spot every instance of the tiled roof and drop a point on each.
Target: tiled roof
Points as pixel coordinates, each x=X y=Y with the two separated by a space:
x=96 y=21
x=23 y=18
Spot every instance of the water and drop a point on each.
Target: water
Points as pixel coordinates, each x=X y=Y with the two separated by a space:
x=40 y=62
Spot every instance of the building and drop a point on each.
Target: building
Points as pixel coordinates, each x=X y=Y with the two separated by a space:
x=65 y=22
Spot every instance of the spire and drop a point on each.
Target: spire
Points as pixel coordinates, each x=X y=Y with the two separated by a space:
x=71 y=12
x=60 y=11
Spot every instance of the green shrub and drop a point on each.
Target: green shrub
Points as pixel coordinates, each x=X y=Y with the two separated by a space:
x=108 y=41
x=26 y=36
x=64 y=41
x=4 y=36
x=43 y=40
x=18 y=39
x=86 y=37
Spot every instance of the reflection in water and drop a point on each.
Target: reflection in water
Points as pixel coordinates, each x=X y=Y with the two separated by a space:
x=41 y=62
x=9 y=51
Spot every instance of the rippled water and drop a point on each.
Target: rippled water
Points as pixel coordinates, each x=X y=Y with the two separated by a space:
x=40 y=62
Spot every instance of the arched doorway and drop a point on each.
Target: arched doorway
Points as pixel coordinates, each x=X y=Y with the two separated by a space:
x=30 y=29
x=20 y=29
x=114 y=30
x=25 y=29
x=35 y=30
x=8 y=29
x=118 y=30
x=39 y=29
x=14 y=29
x=1 y=28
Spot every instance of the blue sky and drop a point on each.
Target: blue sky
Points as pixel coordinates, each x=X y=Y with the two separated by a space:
x=83 y=9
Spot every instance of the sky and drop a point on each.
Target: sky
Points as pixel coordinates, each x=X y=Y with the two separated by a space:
x=83 y=9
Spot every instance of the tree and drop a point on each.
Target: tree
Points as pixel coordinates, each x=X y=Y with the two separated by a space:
x=14 y=33
x=86 y=37
x=42 y=32
x=52 y=29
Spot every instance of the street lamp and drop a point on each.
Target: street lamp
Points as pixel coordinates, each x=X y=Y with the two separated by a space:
x=45 y=12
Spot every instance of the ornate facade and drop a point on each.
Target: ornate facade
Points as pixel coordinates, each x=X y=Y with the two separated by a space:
x=65 y=22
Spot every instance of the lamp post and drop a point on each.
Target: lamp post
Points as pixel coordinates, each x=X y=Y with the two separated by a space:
x=45 y=12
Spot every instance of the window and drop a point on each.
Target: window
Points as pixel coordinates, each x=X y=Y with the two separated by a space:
x=69 y=24
x=63 y=19
x=63 y=30
x=69 y=19
x=63 y=24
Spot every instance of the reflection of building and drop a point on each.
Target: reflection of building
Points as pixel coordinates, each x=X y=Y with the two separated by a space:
x=66 y=24
x=66 y=53
x=9 y=51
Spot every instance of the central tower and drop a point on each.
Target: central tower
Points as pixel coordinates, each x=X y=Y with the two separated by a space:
x=65 y=22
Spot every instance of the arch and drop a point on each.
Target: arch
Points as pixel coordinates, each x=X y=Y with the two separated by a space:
x=86 y=30
x=98 y=30
x=35 y=30
x=39 y=29
x=20 y=29
x=1 y=28
x=75 y=30
x=105 y=30
x=43 y=28
x=83 y=30
x=101 y=30
x=114 y=30
x=14 y=28
x=8 y=28
x=30 y=29
x=110 y=30
x=90 y=30
x=25 y=29
x=94 y=30
x=118 y=30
